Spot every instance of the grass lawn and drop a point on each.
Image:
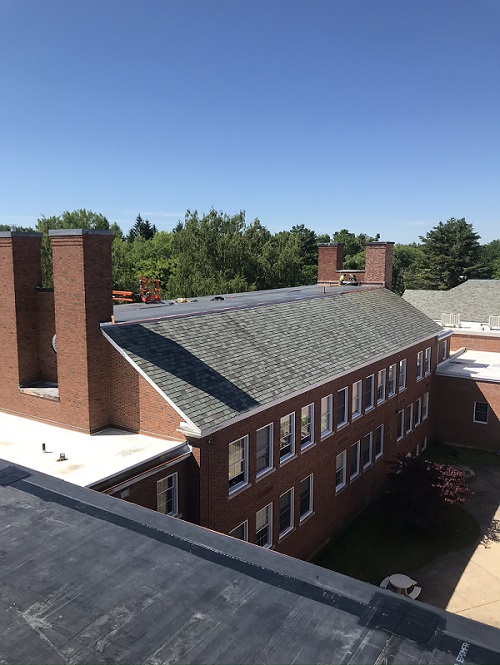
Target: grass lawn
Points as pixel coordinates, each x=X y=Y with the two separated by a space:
x=453 y=455
x=370 y=548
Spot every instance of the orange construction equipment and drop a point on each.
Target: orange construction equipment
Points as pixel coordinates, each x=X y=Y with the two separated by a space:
x=123 y=296
x=150 y=290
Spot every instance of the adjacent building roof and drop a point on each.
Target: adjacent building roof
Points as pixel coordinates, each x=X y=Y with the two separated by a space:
x=87 y=578
x=216 y=366
x=475 y=300
x=470 y=364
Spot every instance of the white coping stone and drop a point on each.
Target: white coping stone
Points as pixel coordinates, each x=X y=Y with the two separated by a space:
x=89 y=458
x=476 y=365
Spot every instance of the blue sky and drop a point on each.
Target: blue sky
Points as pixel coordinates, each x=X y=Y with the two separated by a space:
x=379 y=116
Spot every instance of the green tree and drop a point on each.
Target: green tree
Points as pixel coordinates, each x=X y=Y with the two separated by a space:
x=10 y=227
x=308 y=253
x=354 y=247
x=450 y=254
x=490 y=260
x=405 y=265
x=141 y=229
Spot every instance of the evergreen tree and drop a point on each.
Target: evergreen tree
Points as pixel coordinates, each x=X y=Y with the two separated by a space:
x=141 y=229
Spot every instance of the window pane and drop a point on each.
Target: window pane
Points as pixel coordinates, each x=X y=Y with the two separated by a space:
x=287 y=435
x=264 y=447
x=236 y=462
x=354 y=465
x=379 y=441
x=263 y=526
x=369 y=391
x=240 y=531
x=481 y=412
x=326 y=415
x=342 y=407
x=306 y=425
x=340 y=471
x=305 y=496
x=367 y=450
x=285 y=516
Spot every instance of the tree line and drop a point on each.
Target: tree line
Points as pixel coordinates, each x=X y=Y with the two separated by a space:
x=221 y=253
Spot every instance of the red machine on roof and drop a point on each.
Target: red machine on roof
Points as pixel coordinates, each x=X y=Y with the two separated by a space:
x=150 y=290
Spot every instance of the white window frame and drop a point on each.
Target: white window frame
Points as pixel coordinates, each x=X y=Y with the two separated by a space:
x=244 y=482
x=391 y=373
x=418 y=412
x=309 y=511
x=420 y=365
x=356 y=399
x=307 y=417
x=381 y=385
x=481 y=421
x=270 y=438
x=427 y=360
x=400 y=425
x=343 y=422
x=340 y=482
x=424 y=445
x=368 y=436
x=162 y=490
x=291 y=434
x=408 y=418
x=326 y=416
x=380 y=429
x=444 y=351
x=402 y=375
x=267 y=513
x=425 y=407
x=357 y=448
x=289 y=527
x=245 y=531
x=370 y=381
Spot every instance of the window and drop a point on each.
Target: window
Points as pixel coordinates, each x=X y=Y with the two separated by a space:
x=409 y=418
x=241 y=531
x=402 y=374
x=379 y=441
x=427 y=362
x=342 y=407
x=356 y=399
x=418 y=411
x=264 y=446
x=354 y=462
x=326 y=416
x=264 y=526
x=166 y=495
x=424 y=445
x=340 y=470
x=287 y=436
x=366 y=451
x=480 y=412
x=369 y=381
x=420 y=364
x=400 y=425
x=286 y=512
x=306 y=497
x=381 y=386
x=307 y=425
x=444 y=353
x=238 y=463
x=425 y=406
x=391 y=381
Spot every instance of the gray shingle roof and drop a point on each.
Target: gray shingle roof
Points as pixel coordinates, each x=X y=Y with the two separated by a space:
x=216 y=366
x=475 y=300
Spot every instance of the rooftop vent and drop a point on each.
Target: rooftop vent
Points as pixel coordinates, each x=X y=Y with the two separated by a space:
x=451 y=320
x=494 y=321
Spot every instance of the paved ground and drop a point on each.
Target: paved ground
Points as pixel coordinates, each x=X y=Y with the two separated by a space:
x=467 y=582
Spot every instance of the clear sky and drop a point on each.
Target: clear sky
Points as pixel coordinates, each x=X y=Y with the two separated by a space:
x=379 y=116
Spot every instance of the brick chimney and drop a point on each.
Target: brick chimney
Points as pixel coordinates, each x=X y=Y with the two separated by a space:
x=82 y=299
x=330 y=261
x=378 y=263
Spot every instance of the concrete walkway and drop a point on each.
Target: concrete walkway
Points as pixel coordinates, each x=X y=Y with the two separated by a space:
x=467 y=582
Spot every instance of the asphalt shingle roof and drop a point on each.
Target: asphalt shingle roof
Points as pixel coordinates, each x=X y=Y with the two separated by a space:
x=475 y=300
x=217 y=366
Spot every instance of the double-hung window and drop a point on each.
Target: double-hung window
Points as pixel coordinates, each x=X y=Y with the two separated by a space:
x=409 y=418
x=326 y=416
x=379 y=441
x=444 y=353
x=391 y=381
x=306 y=497
x=425 y=406
x=356 y=399
x=166 y=495
x=264 y=526
x=342 y=407
x=427 y=361
x=381 y=386
x=400 y=430
x=354 y=461
x=340 y=471
x=481 y=412
x=287 y=436
x=307 y=425
x=238 y=463
x=418 y=412
x=241 y=531
x=420 y=365
x=366 y=450
x=286 y=513
x=402 y=374
x=264 y=445
x=369 y=381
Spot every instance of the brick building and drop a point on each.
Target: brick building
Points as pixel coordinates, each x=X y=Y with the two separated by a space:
x=270 y=416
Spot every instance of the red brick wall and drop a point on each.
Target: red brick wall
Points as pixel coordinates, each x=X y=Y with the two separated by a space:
x=223 y=513
x=46 y=325
x=456 y=425
x=378 y=262
x=476 y=342
x=330 y=260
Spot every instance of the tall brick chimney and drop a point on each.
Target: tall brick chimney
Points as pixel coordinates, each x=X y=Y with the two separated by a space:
x=330 y=261
x=378 y=263
x=82 y=299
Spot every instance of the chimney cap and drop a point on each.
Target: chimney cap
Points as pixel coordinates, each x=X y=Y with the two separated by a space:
x=20 y=234
x=81 y=232
x=375 y=243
